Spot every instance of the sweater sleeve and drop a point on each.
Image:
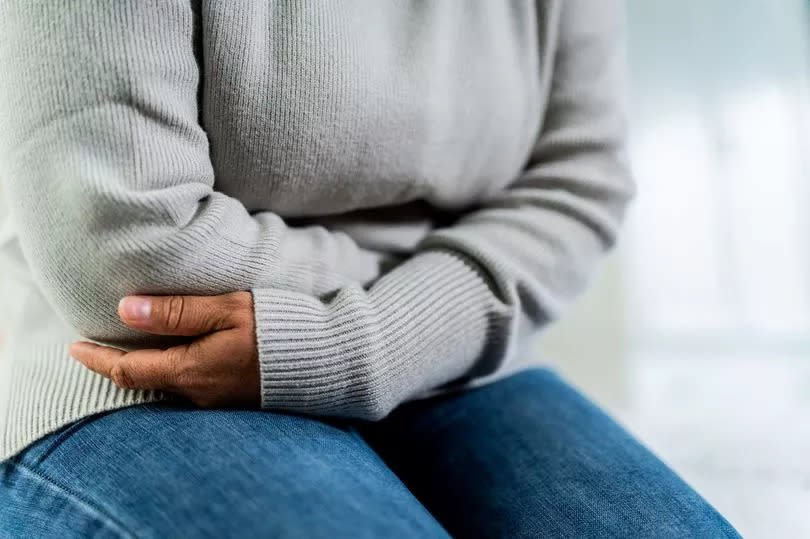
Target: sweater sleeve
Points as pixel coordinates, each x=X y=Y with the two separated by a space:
x=108 y=176
x=452 y=311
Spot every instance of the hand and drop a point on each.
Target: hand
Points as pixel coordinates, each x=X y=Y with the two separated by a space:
x=218 y=369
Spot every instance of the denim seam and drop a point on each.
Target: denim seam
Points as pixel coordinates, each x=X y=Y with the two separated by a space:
x=61 y=437
x=86 y=507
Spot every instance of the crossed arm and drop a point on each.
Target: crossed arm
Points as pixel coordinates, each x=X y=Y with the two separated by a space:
x=112 y=190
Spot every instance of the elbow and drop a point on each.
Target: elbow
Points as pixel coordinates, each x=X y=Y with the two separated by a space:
x=86 y=294
x=99 y=251
x=84 y=286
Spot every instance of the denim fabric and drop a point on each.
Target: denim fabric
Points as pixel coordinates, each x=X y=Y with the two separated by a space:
x=531 y=457
x=523 y=457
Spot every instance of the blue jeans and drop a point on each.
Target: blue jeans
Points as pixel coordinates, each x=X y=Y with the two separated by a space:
x=524 y=457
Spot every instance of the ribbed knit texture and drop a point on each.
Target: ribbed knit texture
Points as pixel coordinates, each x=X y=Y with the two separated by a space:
x=401 y=184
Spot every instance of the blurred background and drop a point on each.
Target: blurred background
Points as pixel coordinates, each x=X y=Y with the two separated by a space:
x=696 y=333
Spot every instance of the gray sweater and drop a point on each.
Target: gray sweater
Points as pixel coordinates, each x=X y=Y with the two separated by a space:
x=408 y=188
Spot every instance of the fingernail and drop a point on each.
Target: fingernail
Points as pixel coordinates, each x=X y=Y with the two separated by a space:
x=136 y=307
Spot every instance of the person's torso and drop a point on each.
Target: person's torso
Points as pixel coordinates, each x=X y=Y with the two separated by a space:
x=318 y=108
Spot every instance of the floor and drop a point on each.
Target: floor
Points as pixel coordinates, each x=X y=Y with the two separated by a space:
x=737 y=429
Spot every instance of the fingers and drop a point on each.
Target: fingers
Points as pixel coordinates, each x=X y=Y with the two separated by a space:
x=183 y=315
x=142 y=369
x=217 y=369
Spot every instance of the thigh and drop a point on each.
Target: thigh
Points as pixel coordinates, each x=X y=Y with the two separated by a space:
x=172 y=471
x=528 y=456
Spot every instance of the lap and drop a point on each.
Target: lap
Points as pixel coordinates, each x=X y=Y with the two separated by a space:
x=529 y=456
x=167 y=470
x=523 y=457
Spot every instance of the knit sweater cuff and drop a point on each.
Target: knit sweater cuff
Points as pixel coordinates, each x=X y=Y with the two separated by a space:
x=360 y=353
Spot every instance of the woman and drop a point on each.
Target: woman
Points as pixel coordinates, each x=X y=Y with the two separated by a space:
x=278 y=222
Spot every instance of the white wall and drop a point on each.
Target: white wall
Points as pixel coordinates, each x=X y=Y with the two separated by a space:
x=716 y=254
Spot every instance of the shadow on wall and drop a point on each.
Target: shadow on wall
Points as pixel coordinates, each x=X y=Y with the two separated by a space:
x=588 y=345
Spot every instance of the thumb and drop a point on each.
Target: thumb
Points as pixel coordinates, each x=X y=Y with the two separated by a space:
x=175 y=315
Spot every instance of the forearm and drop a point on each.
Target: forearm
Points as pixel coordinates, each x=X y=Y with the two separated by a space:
x=429 y=321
